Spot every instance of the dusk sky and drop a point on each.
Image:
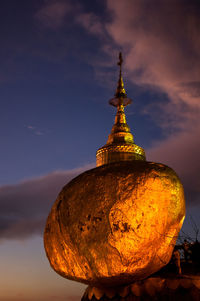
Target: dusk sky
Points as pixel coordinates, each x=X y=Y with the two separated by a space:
x=58 y=70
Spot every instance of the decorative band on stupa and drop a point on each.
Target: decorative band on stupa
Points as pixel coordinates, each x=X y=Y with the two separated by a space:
x=120 y=145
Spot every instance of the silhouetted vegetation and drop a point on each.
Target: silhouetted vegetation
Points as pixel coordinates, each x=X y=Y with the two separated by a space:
x=186 y=255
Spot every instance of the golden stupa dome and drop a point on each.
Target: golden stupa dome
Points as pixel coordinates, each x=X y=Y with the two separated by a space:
x=118 y=222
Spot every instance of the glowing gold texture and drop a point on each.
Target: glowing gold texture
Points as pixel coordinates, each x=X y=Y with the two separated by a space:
x=120 y=145
x=115 y=223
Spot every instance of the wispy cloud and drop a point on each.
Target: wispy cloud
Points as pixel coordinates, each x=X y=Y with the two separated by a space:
x=39 y=133
x=24 y=207
x=68 y=298
x=30 y=127
x=161 y=43
x=52 y=14
x=44 y=298
x=91 y=22
x=34 y=130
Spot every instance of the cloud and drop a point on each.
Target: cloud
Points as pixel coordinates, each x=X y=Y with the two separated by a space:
x=30 y=127
x=34 y=130
x=91 y=23
x=39 y=133
x=161 y=41
x=53 y=13
x=24 y=207
x=50 y=298
x=68 y=298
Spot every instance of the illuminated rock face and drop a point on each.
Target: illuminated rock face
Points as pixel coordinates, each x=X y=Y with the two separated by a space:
x=116 y=223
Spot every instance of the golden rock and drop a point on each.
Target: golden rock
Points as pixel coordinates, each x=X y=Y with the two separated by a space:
x=118 y=222
x=115 y=223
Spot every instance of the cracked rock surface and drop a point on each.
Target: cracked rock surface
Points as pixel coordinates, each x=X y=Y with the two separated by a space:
x=116 y=223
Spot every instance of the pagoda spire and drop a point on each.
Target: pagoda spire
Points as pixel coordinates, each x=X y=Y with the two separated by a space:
x=120 y=145
x=120 y=101
x=120 y=92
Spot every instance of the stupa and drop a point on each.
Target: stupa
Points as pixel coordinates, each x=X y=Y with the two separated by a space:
x=116 y=224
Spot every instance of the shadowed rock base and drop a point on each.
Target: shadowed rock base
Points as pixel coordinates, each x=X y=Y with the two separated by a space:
x=182 y=288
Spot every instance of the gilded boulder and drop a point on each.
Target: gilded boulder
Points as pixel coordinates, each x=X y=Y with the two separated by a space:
x=115 y=223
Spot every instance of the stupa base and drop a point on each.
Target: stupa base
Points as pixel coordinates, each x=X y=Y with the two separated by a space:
x=162 y=288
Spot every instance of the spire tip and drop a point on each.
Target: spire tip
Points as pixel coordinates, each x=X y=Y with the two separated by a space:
x=120 y=60
x=120 y=94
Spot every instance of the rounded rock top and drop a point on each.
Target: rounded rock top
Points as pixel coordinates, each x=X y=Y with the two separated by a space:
x=116 y=223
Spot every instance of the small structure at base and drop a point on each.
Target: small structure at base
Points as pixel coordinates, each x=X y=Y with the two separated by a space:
x=158 y=288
